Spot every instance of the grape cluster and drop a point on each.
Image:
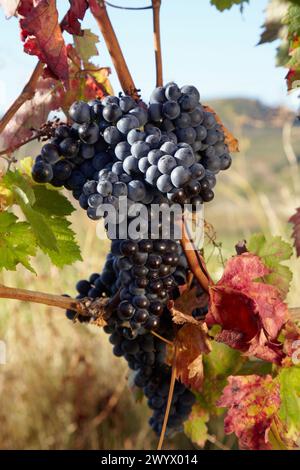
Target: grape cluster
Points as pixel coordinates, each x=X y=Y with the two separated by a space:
x=169 y=167
x=144 y=353
x=79 y=151
x=148 y=273
x=169 y=152
x=115 y=147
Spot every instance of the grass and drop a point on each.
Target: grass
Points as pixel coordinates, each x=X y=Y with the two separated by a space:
x=62 y=388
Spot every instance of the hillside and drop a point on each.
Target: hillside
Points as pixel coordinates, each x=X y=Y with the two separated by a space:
x=259 y=129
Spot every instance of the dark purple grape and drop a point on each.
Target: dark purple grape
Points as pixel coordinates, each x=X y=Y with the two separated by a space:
x=42 y=172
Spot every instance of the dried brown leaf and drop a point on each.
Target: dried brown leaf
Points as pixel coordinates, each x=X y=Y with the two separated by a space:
x=230 y=140
x=191 y=342
x=183 y=307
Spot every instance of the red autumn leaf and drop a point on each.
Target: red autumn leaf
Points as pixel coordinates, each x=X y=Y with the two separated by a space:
x=253 y=404
x=33 y=113
x=295 y=220
x=191 y=341
x=50 y=95
x=75 y=13
x=250 y=313
x=42 y=36
x=83 y=85
x=293 y=79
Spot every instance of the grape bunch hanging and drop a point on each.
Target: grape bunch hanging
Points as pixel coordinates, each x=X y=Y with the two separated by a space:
x=167 y=152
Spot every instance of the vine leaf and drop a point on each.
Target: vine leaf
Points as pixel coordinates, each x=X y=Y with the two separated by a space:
x=45 y=211
x=14 y=179
x=250 y=313
x=195 y=427
x=253 y=404
x=289 y=380
x=295 y=220
x=67 y=250
x=43 y=37
x=191 y=341
x=87 y=80
x=48 y=97
x=273 y=27
x=221 y=362
x=230 y=140
x=17 y=242
x=293 y=36
x=85 y=45
x=75 y=13
x=272 y=251
x=51 y=202
x=222 y=5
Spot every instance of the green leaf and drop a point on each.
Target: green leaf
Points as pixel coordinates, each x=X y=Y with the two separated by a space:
x=51 y=202
x=292 y=20
x=273 y=251
x=17 y=242
x=16 y=182
x=273 y=27
x=195 y=427
x=86 y=45
x=6 y=219
x=68 y=250
x=222 y=5
x=221 y=362
x=289 y=379
x=41 y=227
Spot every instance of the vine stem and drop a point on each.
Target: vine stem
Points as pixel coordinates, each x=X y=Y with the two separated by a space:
x=39 y=298
x=170 y=343
x=170 y=397
x=12 y=149
x=194 y=259
x=156 y=4
x=100 y=14
x=26 y=94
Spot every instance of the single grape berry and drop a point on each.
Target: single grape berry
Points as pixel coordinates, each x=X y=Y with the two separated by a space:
x=42 y=172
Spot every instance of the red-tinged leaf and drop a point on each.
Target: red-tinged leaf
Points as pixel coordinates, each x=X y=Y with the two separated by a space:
x=250 y=313
x=295 y=220
x=101 y=78
x=230 y=140
x=33 y=113
x=253 y=404
x=75 y=13
x=293 y=79
x=191 y=341
x=83 y=86
x=43 y=37
x=9 y=6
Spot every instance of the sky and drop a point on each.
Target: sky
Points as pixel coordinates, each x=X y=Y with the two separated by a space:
x=214 y=51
